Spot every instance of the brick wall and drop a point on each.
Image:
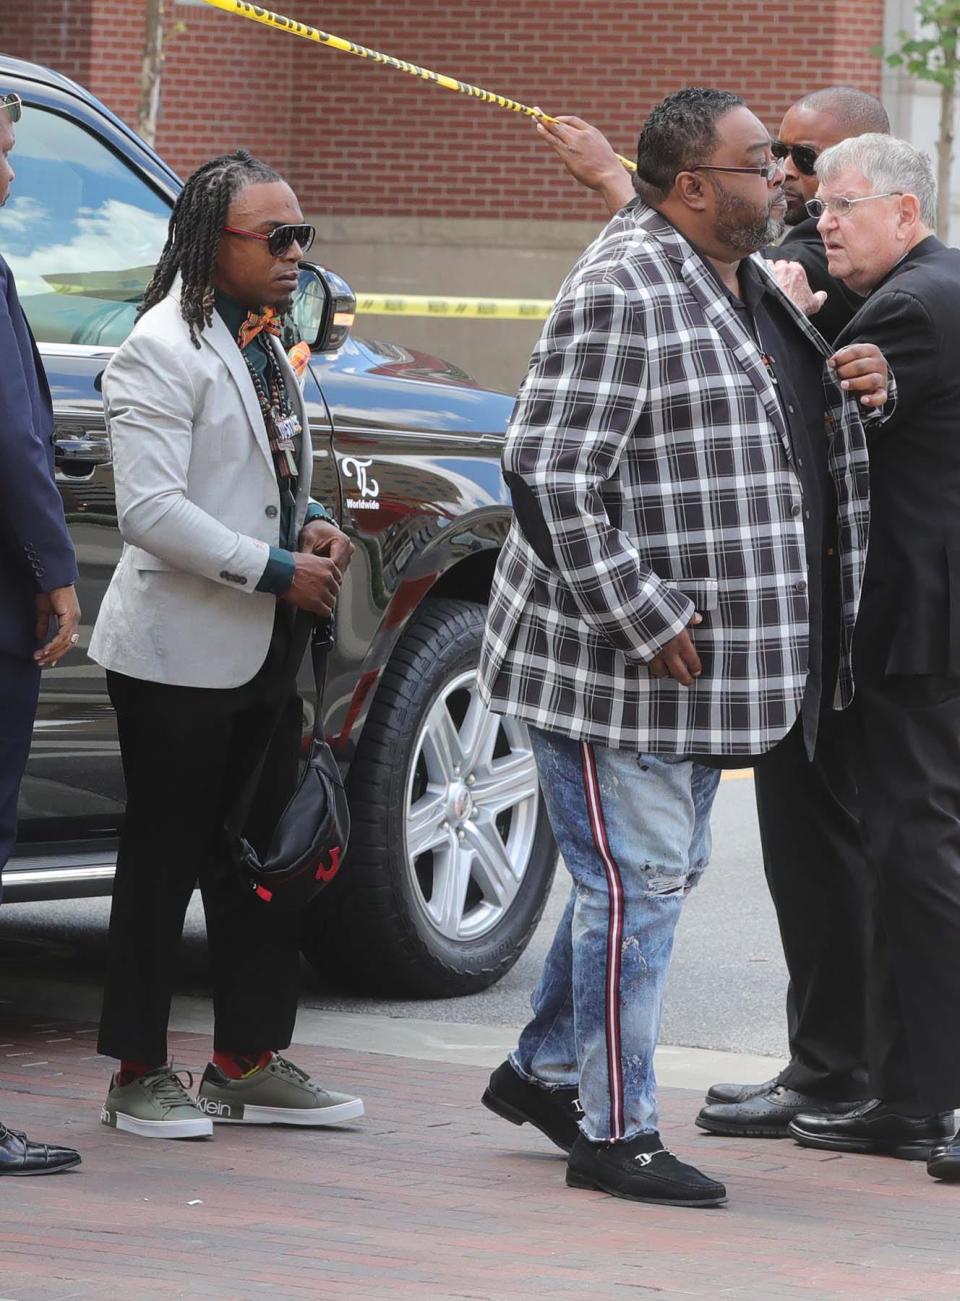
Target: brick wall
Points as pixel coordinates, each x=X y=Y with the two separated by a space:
x=360 y=139
x=55 y=32
x=223 y=84
x=396 y=145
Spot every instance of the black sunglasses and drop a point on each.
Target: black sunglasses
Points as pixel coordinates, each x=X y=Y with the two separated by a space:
x=12 y=105
x=281 y=239
x=804 y=156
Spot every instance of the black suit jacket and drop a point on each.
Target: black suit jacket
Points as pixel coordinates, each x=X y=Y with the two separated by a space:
x=802 y=243
x=36 y=552
x=909 y=619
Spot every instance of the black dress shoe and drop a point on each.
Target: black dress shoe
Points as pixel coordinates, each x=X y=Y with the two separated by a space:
x=944 y=1162
x=641 y=1170
x=18 y=1156
x=739 y=1092
x=765 y=1115
x=555 y=1112
x=874 y=1127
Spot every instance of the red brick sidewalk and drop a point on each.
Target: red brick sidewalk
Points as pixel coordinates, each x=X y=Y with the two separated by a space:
x=431 y=1197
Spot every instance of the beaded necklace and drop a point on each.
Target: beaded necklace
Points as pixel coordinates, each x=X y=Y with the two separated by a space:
x=282 y=425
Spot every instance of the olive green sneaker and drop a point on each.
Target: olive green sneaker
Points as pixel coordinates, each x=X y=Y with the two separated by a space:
x=276 y=1094
x=155 y=1106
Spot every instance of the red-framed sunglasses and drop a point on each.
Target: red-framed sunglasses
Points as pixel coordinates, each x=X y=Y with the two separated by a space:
x=280 y=239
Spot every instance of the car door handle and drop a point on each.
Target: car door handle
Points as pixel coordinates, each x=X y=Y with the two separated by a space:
x=76 y=450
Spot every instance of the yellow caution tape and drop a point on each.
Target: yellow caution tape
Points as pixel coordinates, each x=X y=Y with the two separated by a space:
x=260 y=15
x=502 y=309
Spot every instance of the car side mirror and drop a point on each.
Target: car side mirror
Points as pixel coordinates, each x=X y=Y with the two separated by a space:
x=324 y=308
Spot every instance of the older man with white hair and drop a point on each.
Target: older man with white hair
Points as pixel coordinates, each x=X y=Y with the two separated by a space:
x=876 y=205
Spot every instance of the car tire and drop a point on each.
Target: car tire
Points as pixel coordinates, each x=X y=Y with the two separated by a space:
x=449 y=863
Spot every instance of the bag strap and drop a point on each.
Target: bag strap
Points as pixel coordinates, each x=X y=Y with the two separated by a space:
x=321 y=644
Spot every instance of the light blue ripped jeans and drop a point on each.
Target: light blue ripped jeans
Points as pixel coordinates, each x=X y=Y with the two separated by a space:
x=634 y=832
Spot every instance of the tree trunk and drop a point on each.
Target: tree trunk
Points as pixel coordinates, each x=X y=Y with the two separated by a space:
x=151 y=73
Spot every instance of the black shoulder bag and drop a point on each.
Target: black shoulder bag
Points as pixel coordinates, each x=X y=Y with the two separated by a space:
x=310 y=839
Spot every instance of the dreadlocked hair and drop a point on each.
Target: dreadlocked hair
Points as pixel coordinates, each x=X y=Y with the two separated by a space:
x=193 y=239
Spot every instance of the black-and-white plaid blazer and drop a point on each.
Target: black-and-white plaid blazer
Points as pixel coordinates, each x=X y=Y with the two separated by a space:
x=649 y=437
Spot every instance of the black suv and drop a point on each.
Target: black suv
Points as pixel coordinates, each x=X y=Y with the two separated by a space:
x=451 y=855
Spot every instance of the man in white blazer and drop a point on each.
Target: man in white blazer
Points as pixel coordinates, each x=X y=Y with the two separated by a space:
x=200 y=636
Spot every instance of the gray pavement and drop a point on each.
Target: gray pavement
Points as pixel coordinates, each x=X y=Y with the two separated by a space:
x=726 y=989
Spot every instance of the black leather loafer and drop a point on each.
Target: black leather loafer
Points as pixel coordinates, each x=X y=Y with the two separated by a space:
x=739 y=1092
x=555 y=1112
x=18 y=1156
x=765 y=1115
x=875 y=1128
x=944 y=1162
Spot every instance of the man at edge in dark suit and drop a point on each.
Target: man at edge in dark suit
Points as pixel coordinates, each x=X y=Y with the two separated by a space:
x=876 y=208
x=38 y=570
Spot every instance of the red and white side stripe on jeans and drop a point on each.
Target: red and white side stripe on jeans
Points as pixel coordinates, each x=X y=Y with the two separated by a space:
x=614 y=939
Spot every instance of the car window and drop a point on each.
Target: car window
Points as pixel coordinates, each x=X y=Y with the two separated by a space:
x=81 y=231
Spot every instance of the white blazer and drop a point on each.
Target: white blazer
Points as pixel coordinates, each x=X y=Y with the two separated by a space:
x=197 y=505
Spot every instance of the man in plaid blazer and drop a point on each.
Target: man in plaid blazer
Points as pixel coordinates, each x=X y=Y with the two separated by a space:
x=813 y=854
x=652 y=604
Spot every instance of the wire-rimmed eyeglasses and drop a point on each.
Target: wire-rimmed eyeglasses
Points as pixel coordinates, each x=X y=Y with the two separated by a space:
x=840 y=205
x=768 y=171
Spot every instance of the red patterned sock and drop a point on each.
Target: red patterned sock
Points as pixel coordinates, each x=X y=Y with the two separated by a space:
x=130 y=1071
x=238 y=1065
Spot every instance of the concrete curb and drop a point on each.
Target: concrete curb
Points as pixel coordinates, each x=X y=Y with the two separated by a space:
x=483 y=1046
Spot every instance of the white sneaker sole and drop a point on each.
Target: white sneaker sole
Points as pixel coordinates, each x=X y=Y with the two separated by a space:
x=199 y=1128
x=316 y=1116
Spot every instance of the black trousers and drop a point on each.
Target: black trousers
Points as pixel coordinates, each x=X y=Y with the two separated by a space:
x=821 y=885
x=907 y=737
x=19 y=689
x=188 y=755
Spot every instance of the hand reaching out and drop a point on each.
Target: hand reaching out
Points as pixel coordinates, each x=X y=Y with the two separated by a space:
x=589 y=157
x=792 y=279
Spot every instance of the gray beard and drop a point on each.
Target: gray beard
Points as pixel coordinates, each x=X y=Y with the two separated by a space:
x=745 y=237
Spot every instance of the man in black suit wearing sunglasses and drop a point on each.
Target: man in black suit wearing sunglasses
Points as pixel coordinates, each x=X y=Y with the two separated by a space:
x=813 y=124
x=812 y=850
